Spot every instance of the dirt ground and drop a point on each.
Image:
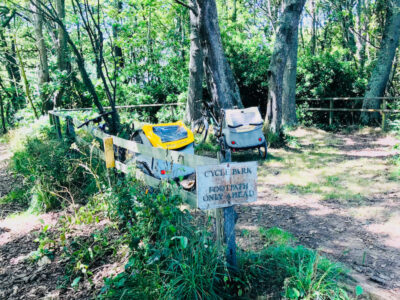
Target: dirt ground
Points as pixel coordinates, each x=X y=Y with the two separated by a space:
x=338 y=193
x=22 y=279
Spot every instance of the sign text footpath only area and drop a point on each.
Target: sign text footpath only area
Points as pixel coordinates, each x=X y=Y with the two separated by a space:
x=226 y=184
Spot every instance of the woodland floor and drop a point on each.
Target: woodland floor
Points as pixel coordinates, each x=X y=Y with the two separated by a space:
x=338 y=193
x=335 y=192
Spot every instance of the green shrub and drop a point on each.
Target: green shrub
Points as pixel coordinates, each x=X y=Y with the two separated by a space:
x=295 y=272
x=170 y=257
x=53 y=172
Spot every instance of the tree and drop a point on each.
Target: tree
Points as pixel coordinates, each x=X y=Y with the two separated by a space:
x=44 y=76
x=287 y=27
x=52 y=15
x=380 y=74
x=196 y=70
x=62 y=47
x=289 y=76
x=219 y=77
x=3 y=118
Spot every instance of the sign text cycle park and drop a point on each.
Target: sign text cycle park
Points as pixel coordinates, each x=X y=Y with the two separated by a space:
x=226 y=184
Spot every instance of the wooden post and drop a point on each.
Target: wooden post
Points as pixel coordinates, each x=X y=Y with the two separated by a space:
x=58 y=126
x=383 y=115
x=330 y=112
x=229 y=229
x=109 y=152
x=70 y=129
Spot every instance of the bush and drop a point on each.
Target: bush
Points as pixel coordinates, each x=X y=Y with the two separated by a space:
x=53 y=173
x=170 y=257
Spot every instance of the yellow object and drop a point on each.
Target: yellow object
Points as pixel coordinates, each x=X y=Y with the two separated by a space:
x=156 y=140
x=109 y=152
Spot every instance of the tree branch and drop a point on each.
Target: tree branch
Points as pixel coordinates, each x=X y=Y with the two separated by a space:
x=187 y=6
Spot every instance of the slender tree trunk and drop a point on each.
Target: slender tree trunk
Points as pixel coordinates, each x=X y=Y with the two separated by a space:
x=3 y=119
x=289 y=76
x=380 y=74
x=43 y=64
x=62 y=50
x=11 y=66
x=26 y=83
x=196 y=70
x=117 y=49
x=220 y=81
x=313 y=28
x=287 y=23
x=234 y=14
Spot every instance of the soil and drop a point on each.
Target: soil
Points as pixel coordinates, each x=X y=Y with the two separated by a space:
x=364 y=235
x=22 y=278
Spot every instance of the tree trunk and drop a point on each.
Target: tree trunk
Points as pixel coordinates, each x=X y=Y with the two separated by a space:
x=220 y=81
x=117 y=49
x=289 y=76
x=62 y=50
x=196 y=70
x=3 y=119
x=62 y=56
x=313 y=28
x=43 y=63
x=287 y=24
x=380 y=74
x=26 y=83
x=11 y=66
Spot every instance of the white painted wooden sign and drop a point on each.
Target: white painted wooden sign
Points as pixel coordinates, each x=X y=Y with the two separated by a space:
x=226 y=184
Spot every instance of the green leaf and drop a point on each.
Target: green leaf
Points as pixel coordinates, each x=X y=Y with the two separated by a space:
x=183 y=241
x=359 y=290
x=75 y=282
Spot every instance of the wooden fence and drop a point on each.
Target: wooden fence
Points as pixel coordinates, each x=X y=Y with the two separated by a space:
x=170 y=156
x=383 y=110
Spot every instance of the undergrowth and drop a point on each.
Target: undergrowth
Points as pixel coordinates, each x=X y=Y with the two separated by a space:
x=171 y=254
x=54 y=174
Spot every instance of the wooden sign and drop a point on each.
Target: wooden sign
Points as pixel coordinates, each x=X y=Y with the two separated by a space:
x=109 y=152
x=226 y=184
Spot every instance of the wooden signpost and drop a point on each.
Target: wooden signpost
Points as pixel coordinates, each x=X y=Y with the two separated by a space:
x=223 y=186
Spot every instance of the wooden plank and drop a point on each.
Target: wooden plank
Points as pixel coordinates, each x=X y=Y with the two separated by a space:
x=164 y=154
x=118 y=107
x=354 y=109
x=346 y=98
x=109 y=152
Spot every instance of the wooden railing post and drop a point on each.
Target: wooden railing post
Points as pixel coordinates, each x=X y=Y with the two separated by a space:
x=331 y=112
x=70 y=129
x=58 y=126
x=51 y=120
x=384 y=115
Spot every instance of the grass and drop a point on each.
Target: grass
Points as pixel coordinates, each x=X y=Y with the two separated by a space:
x=316 y=166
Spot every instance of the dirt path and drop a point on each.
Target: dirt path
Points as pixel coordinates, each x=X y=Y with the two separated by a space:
x=339 y=194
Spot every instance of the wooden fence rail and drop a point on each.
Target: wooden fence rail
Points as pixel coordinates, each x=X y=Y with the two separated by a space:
x=120 y=107
x=170 y=156
x=383 y=110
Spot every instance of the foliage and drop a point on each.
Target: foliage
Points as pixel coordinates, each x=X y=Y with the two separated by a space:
x=84 y=253
x=53 y=175
x=300 y=273
x=170 y=258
